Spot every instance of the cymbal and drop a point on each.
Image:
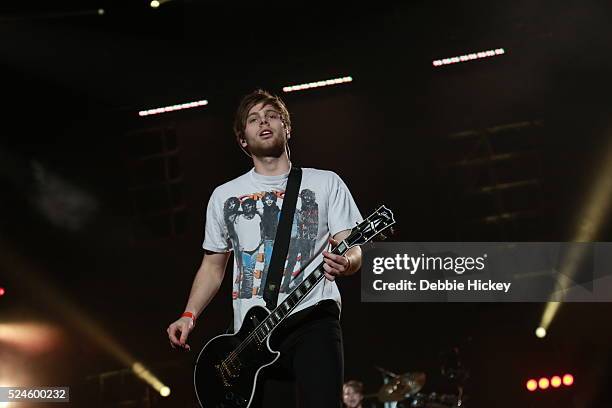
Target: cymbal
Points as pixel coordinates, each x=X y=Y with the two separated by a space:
x=398 y=388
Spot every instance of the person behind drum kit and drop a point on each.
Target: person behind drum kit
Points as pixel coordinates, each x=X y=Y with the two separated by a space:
x=352 y=394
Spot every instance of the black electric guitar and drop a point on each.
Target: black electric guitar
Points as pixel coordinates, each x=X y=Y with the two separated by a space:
x=228 y=366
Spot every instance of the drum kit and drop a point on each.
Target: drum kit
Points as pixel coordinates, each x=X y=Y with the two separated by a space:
x=405 y=389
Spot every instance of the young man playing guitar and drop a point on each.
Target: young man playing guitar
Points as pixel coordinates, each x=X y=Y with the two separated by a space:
x=242 y=216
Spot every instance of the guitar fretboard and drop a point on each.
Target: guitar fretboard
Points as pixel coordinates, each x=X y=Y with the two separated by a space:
x=283 y=310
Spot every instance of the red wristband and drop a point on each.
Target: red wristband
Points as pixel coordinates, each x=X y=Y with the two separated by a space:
x=189 y=314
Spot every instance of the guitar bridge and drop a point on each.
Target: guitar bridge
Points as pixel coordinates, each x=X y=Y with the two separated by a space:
x=227 y=372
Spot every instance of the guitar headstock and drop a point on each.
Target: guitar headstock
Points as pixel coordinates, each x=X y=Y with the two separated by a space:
x=380 y=220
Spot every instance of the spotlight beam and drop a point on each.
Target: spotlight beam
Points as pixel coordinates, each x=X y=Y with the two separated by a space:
x=27 y=274
x=588 y=225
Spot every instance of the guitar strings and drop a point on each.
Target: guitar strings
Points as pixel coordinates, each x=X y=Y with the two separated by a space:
x=232 y=356
x=247 y=339
x=243 y=344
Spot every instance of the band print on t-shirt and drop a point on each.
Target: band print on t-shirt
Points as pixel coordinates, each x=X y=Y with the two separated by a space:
x=251 y=221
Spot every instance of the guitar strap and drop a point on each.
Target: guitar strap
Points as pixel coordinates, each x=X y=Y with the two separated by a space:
x=282 y=238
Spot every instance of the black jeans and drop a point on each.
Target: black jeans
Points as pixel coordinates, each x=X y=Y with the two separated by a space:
x=310 y=369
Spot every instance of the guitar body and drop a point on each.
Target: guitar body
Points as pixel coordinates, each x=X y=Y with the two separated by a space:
x=225 y=378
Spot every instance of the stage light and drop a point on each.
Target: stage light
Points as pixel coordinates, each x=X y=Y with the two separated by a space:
x=543 y=383
x=540 y=332
x=141 y=371
x=532 y=385
x=100 y=12
x=30 y=337
x=2 y=291
x=157 y=3
x=317 y=84
x=172 y=108
x=469 y=57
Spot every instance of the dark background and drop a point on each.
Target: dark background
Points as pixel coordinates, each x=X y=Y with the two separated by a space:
x=102 y=211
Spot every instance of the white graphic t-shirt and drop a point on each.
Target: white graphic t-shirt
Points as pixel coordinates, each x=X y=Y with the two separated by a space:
x=242 y=216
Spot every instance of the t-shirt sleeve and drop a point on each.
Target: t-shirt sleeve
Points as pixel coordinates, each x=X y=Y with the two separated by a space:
x=216 y=238
x=343 y=213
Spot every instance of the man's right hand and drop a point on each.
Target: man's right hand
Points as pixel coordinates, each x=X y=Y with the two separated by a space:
x=178 y=332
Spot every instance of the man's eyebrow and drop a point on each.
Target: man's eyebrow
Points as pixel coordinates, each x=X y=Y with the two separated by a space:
x=267 y=110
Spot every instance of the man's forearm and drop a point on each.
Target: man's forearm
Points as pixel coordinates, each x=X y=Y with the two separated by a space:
x=205 y=285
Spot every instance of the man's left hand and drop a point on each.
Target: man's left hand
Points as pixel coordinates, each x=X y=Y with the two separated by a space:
x=335 y=265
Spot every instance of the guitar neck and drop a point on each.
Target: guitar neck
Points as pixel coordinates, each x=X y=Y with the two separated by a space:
x=296 y=296
x=374 y=225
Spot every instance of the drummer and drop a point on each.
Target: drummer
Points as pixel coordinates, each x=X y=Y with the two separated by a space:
x=352 y=394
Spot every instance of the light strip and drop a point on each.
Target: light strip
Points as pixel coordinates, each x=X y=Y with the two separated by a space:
x=318 y=84
x=173 y=108
x=469 y=57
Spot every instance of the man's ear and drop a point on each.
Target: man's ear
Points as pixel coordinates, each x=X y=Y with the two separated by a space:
x=287 y=133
